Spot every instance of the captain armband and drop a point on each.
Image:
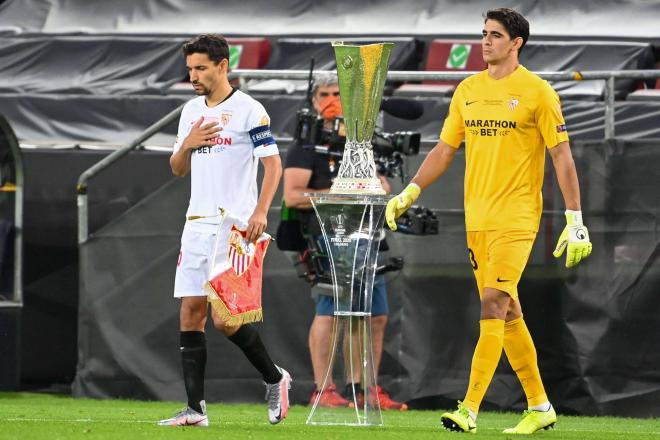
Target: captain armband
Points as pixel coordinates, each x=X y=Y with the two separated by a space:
x=261 y=136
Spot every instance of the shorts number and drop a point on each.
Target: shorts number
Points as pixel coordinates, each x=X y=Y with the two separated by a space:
x=475 y=266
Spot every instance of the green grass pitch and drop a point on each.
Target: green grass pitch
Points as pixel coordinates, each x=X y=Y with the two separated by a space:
x=39 y=416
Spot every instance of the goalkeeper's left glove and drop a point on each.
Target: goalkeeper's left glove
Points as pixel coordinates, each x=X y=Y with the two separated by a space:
x=575 y=237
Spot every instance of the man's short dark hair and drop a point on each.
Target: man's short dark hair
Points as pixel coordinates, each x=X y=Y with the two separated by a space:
x=515 y=24
x=213 y=45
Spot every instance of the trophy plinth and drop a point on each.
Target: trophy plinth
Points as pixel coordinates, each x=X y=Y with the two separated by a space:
x=351 y=225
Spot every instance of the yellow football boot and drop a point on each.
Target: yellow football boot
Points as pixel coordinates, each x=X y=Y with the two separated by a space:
x=459 y=420
x=533 y=420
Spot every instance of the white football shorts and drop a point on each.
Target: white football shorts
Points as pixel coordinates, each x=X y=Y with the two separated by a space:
x=198 y=242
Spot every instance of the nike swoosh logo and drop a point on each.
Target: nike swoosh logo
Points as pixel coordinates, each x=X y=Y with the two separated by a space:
x=470 y=102
x=501 y=281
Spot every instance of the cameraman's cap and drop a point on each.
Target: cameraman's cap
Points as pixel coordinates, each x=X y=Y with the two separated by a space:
x=324 y=79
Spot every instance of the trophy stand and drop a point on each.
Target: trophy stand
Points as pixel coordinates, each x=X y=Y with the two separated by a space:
x=349 y=223
x=351 y=216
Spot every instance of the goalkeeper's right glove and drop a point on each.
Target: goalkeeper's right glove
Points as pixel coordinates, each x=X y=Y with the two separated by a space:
x=400 y=204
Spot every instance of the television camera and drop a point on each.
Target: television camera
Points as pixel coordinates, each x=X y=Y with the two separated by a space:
x=389 y=148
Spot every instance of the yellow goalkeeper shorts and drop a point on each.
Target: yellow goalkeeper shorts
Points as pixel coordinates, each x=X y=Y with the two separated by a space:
x=499 y=257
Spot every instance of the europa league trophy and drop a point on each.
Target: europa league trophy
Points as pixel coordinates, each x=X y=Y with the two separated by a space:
x=351 y=218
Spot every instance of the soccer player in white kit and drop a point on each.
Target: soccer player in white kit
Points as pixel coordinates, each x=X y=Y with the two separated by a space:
x=223 y=135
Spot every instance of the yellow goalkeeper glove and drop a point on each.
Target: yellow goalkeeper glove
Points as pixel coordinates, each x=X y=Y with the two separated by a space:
x=575 y=237
x=400 y=204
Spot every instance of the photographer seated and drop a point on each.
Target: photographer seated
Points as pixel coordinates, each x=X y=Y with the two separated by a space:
x=308 y=170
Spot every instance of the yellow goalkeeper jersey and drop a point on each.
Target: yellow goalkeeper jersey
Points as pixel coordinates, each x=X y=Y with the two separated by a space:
x=506 y=124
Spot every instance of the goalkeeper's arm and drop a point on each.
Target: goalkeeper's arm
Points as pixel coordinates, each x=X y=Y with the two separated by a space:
x=575 y=236
x=434 y=166
x=562 y=159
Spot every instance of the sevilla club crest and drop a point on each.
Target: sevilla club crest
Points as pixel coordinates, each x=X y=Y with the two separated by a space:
x=240 y=252
x=224 y=118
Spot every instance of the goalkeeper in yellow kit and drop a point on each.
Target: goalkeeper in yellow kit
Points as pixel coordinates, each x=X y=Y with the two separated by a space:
x=507 y=117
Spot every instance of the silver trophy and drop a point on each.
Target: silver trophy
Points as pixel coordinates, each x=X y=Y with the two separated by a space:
x=351 y=218
x=362 y=71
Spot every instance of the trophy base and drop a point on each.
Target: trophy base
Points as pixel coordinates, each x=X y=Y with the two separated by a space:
x=345 y=185
x=351 y=225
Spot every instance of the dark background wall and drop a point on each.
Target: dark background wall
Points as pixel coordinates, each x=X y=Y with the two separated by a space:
x=49 y=318
x=73 y=75
x=595 y=325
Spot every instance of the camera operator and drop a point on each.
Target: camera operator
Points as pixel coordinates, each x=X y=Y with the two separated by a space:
x=307 y=170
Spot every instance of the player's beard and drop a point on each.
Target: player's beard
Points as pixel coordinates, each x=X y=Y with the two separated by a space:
x=202 y=90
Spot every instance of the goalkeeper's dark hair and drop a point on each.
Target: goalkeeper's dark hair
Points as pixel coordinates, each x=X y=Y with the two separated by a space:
x=515 y=24
x=213 y=45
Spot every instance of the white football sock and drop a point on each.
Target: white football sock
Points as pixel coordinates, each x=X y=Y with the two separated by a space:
x=544 y=407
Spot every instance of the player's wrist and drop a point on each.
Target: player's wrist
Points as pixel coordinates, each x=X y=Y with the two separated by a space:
x=186 y=146
x=413 y=190
x=573 y=218
x=259 y=210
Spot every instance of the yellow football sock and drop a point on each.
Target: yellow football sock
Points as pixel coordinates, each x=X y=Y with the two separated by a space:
x=484 y=362
x=520 y=351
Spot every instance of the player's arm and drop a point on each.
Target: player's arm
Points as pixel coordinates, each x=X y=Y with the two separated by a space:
x=272 y=174
x=199 y=136
x=441 y=156
x=435 y=164
x=574 y=239
x=180 y=161
x=562 y=160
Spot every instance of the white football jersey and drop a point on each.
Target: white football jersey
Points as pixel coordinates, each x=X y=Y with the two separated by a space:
x=224 y=175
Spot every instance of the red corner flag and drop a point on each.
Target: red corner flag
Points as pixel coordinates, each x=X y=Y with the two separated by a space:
x=234 y=287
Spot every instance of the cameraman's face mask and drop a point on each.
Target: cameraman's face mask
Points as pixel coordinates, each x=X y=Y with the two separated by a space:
x=330 y=107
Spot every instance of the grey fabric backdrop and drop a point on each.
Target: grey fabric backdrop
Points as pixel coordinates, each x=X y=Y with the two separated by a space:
x=114 y=86
x=606 y=18
x=595 y=326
